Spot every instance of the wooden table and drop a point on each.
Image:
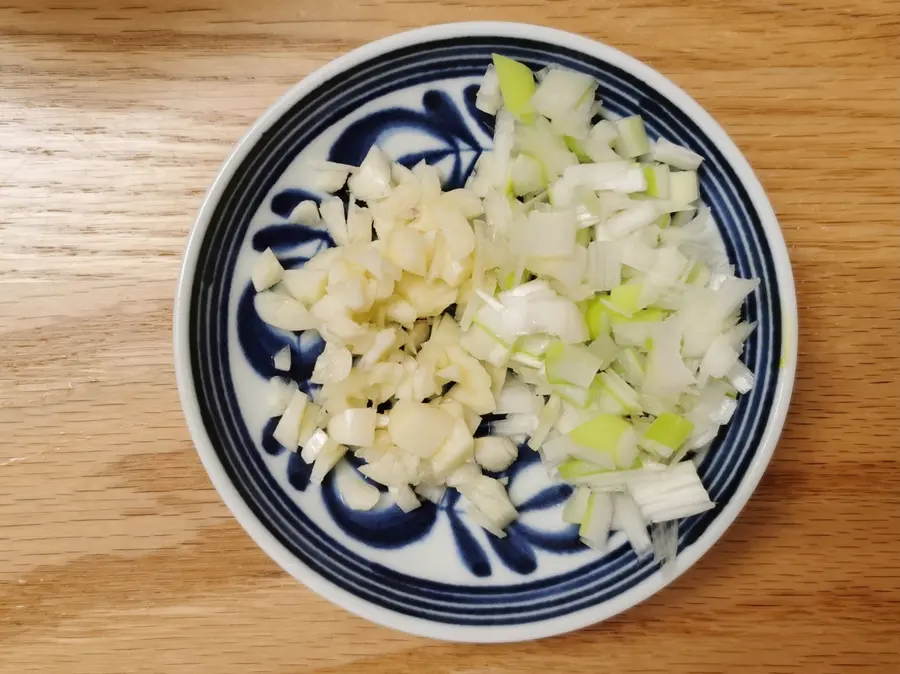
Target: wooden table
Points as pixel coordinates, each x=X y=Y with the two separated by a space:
x=116 y=555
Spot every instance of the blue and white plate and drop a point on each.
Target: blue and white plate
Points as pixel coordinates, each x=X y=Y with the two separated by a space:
x=433 y=572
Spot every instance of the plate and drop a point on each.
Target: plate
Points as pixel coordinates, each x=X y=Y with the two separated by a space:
x=432 y=572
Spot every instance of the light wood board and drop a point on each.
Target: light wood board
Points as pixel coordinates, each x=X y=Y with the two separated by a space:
x=116 y=555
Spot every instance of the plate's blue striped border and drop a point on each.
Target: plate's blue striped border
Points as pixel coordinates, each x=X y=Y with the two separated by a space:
x=529 y=601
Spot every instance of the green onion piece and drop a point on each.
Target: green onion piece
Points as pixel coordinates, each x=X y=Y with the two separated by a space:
x=534 y=345
x=633 y=366
x=571 y=364
x=605 y=349
x=699 y=274
x=512 y=279
x=632 y=140
x=650 y=315
x=594 y=529
x=657 y=176
x=573 y=468
x=548 y=417
x=666 y=434
x=625 y=299
x=575 y=510
x=604 y=401
x=684 y=187
x=607 y=434
x=682 y=217
x=626 y=396
x=583 y=237
x=576 y=395
x=516 y=86
x=577 y=148
x=598 y=316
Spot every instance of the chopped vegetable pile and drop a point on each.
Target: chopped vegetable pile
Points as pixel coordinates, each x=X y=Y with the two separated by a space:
x=574 y=290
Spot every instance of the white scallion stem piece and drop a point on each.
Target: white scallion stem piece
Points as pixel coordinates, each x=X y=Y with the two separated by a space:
x=632 y=137
x=684 y=188
x=627 y=518
x=546 y=420
x=576 y=508
x=597 y=521
x=674 y=155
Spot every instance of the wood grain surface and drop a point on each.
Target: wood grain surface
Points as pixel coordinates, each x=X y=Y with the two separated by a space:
x=116 y=555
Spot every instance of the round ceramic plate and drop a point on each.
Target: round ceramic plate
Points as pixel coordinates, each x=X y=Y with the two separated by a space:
x=433 y=572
